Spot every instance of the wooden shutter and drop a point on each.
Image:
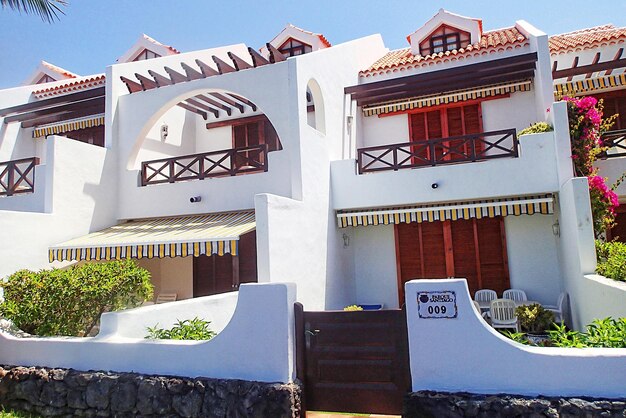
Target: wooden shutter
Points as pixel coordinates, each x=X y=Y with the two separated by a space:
x=474 y=249
x=247 y=258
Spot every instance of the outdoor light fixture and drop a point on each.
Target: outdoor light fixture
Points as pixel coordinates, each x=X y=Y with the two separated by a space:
x=195 y=199
x=349 y=120
x=346 y=240
x=434 y=185
x=556 y=229
x=164 y=131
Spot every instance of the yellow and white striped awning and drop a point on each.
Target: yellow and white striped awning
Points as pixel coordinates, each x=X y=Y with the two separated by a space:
x=587 y=85
x=453 y=97
x=68 y=126
x=216 y=233
x=524 y=205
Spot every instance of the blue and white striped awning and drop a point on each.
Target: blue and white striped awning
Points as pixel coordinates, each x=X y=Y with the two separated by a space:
x=182 y=236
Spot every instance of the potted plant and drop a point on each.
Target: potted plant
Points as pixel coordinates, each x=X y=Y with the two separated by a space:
x=535 y=320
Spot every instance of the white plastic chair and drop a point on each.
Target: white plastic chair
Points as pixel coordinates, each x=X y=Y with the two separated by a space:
x=515 y=294
x=559 y=309
x=485 y=295
x=166 y=297
x=479 y=310
x=502 y=313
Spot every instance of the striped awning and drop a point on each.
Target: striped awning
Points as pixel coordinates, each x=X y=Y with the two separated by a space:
x=68 y=126
x=453 y=97
x=216 y=233
x=523 y=205
x=587 y=85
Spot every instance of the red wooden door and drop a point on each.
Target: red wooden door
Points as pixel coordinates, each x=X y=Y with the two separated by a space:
x=444 y=122
x=474 y=249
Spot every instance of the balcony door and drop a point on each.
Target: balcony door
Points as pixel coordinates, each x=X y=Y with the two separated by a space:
x=224 y=273
x=444 y=122
x=474 y=249
x=253 y=132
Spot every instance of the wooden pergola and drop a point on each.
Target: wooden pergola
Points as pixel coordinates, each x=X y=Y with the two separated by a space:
x=208 y=103
x=588 y=70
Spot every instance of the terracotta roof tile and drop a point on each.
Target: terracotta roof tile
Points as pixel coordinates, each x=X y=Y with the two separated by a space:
x=403 y=58
x=72 y=86
x=154 y=41
x=584 y=38
x=59 y=70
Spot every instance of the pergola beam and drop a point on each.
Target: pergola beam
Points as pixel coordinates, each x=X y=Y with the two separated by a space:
x=215 y=103
x=257 y=59
x=132 y=86
x=192 y=74
x=243 y=100
x=63 y=116
x=159 y=79
x=275 y=54
x=95 y=103
x=222 y=66
x=229 y=101
x=240 y=64
x=207 y=70
x=54 y=101
x=196 y=103
x=176 y=76
x=194 y=110
x=146 y=83
x=591 y=68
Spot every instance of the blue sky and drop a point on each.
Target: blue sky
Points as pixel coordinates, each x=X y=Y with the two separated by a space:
x=93 y=34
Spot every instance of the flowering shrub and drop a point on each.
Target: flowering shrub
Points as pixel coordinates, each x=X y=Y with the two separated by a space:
x=586 y=126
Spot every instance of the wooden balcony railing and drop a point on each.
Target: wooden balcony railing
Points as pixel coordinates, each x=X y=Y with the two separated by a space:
x=229 y=162
x=451 y=150
x=18 y=176
x=616 y=142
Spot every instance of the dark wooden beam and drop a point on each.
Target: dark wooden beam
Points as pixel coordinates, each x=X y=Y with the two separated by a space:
x=176 y=76
x=618 y=55
x=555 y=64
x=223 y=67
x=206 y=69
x=257 y=59
x=243 y=100
x=202 y=106
x=228 y=100
x=54 y=101
x=574 y=65
x=501 y=64
x=132 y=86
x=146 y=83
x=591 y=68
x=192 y=74
x=442 y=88
x=240 y=64
x=227 y=109
x=161 y=80
x=596 y=59
x=96 y=102
x=235 y=122
x=275 y=54
x=60 y=117
x=194 y=110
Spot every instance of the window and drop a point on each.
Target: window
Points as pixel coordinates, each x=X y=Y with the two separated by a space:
x=293 y=47
x=146 y=55
x=444 y=39
x=45 y=79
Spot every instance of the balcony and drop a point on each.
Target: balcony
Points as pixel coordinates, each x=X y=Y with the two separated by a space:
x=616 y=142
x=222 y=163
x=18 y=176
x=440 y=151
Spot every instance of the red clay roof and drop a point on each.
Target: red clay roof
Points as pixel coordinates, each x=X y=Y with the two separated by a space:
x=59 y=70
x=72 y=86
x=154 y=41
x=581 y=39
x=490 y=41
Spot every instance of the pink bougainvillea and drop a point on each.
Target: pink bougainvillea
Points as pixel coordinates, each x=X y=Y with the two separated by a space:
x=586 y=127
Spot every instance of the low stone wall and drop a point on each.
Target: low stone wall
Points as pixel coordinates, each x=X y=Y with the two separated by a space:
x=53 y=392
x=426 y=404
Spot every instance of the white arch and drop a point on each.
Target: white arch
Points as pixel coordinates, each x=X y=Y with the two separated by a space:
x=319 y=120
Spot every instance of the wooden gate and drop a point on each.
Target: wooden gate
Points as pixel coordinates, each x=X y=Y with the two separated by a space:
x=353 y=361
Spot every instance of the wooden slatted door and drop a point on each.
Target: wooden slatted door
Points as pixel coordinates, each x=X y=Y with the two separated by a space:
x=474 y=249
x=219 y=274
x=353 y=361
x=446 y=122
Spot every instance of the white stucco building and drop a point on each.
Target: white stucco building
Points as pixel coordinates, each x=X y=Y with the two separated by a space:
x=346 y=169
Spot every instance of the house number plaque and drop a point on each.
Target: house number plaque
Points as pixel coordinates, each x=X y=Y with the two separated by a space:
x=439 y=304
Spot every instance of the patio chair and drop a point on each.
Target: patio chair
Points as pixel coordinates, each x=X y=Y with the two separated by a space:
x=485 y=295
x=558 y=309
x=479 y=310
x=166 y=297
x=502 y=313
x=514 y=294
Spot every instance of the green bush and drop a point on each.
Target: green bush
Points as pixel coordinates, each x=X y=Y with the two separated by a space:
x=353 y=308
x=607 y=332
x=69 y=302
x=189 y=329
x=611 y=259
x=534 y=318
x=536 y=128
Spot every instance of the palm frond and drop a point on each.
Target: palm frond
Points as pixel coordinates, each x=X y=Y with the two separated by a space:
x=48 y=10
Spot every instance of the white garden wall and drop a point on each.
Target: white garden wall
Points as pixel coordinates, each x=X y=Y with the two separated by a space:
x=464 y=354
x=603 y=297
x=133 y=323
x=257 y=344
